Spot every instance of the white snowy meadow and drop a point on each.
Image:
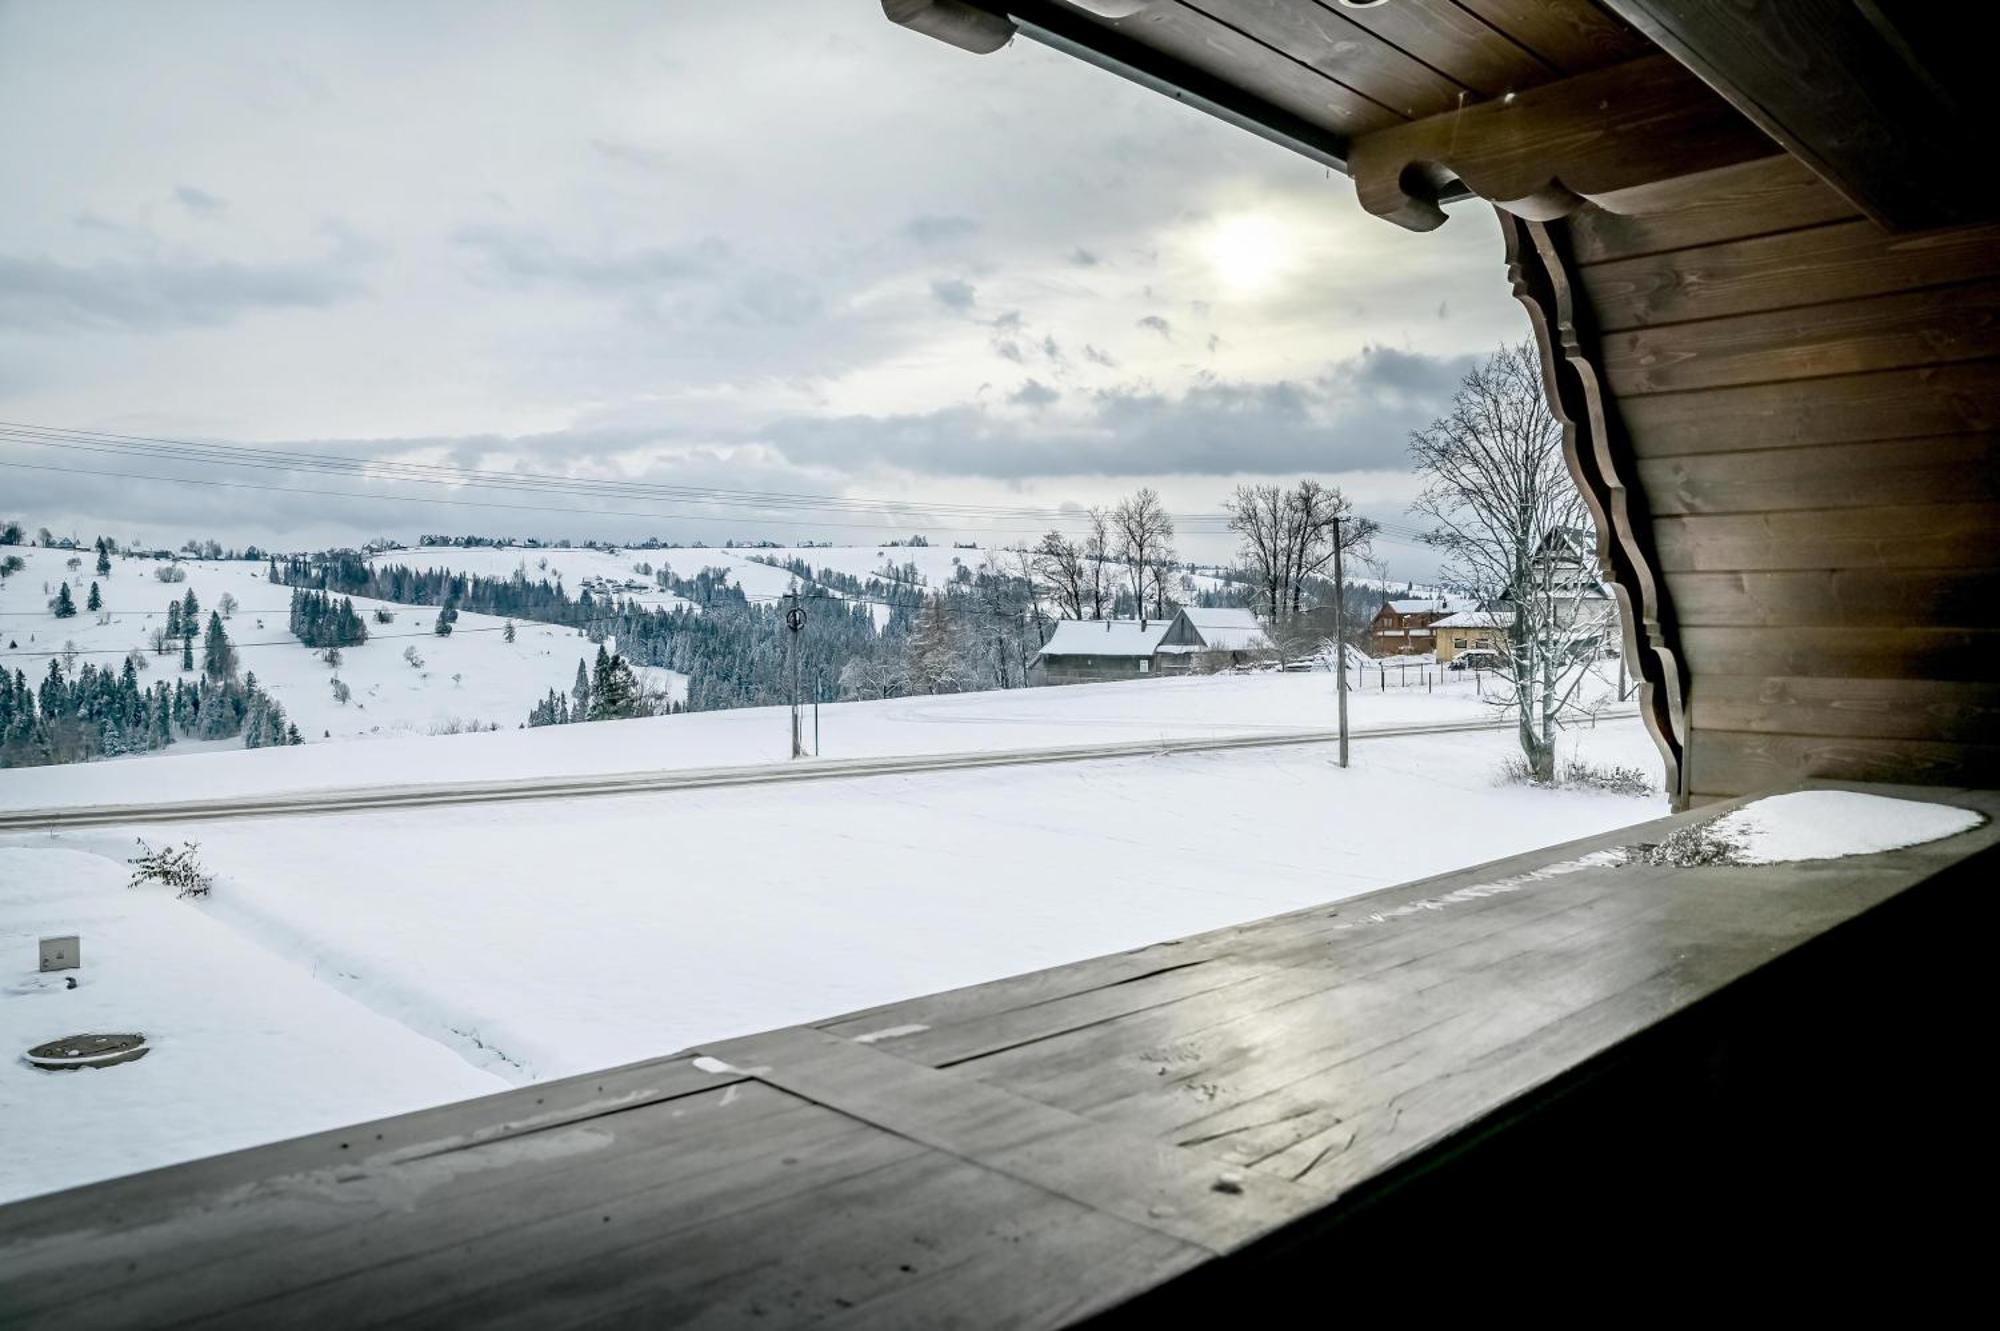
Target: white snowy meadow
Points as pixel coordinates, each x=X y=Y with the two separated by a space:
x=354 y=965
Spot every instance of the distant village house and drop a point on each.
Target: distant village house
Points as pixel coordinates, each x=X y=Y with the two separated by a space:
x=1083 y=651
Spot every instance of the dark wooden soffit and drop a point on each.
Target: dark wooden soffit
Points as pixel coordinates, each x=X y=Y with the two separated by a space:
x=1620 y=138
x=1542 y=267
x=1882 y=102
x=1310 y=75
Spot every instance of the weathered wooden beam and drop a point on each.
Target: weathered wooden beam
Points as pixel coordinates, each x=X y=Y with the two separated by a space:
x=1846 y=88
x=1617 y=137
x=954 y=22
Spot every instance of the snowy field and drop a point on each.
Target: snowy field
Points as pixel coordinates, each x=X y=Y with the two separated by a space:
x=363 y=964
x=1182 y=708
x=473 y=677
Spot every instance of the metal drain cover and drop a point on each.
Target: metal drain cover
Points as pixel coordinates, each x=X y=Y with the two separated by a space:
x=88 y=1051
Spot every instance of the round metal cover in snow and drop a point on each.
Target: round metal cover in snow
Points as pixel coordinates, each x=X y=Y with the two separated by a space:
x=88 y=1051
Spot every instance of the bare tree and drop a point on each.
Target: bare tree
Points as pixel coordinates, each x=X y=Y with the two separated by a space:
x=1061 y=574
x=1515 y=533
x=1097 y=557
x=1145 y=532
x=1288 y=538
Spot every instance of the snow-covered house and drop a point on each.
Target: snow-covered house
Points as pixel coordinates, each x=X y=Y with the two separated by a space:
x=1213 y=636
x=1403 y=627
x=1084 y=650
x=1471 y=631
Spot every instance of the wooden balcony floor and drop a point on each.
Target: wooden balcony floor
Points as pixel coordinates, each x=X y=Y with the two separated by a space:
x=1025 y=1152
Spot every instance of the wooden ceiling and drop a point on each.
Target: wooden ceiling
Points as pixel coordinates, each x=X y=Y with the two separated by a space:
x=1874 y=101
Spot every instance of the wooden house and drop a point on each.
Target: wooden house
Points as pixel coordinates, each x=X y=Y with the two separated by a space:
x=1403 y=627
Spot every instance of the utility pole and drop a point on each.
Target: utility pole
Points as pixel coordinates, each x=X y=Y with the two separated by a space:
x=795 y=620
x=1340 y=635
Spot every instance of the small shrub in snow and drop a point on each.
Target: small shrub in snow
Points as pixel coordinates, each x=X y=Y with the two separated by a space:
x=170 y=573
x=384 y=616
x=227 y=605
x=1576 y=774
x=416 y=661
x=1611 y=778
x=1692 y=846
x=331 y=656
x=341 y=693
x=176 y=866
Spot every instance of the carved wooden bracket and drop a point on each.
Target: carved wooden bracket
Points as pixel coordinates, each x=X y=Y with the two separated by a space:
x=1542 y=270
x=1612 y=137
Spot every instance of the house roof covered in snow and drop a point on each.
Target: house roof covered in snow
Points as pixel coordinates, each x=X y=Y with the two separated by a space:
x=1476 y=619
x=1227 y=629
x=1420 y=606
x=1106 y=637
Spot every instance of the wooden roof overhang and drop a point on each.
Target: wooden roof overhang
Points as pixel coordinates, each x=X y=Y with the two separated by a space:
x=1733 y=227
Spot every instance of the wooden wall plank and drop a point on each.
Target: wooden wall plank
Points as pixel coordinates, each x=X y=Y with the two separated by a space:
x=1572 y=35
x=1951 y=469
x=1771 y=194
x=1845 y=653
x=1325 y=40
x=1729 y=762
x=1965 y=711
x=1897 y=404
x=1810 y=266
x=1908 y=329
x=1837 y=597
x=1933 y=536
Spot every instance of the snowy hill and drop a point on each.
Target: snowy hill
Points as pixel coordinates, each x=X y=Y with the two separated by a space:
x=472 y=679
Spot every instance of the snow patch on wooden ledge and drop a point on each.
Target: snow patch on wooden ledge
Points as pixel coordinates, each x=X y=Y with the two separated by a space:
x=1831 y=824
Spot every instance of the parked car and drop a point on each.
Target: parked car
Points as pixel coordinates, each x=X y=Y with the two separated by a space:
x=1478 y=658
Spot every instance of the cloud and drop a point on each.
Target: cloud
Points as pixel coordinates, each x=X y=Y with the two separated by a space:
x=1034 y=393
x=149 y=295
x=954 y=293
x=199 y=201
x=1096 y=357
x=1355 y=414
x=930 y=230
x=525 y=257
x=1156 y=324
x=1083 y=258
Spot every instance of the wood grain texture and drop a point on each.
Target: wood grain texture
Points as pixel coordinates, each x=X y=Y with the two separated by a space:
x=1927 y=536
x=1728 y=762
x=1843 y=653
x=1921 y=401
x=1819 y=265
x=1838 y=597
x=1452 y=40
x=1615 y=137
x=1326 y=41
x=1933 y=470
x=1766 y=195
x=1189 y=35
x=1823 y=78
x=1909 y=329
x=1571 y=35
x=1949 y=711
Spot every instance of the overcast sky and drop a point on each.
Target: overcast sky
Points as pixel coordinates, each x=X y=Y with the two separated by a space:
x=778 y=246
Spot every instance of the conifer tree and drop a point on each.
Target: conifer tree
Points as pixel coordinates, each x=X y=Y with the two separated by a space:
x=187 y=652
x=579 y=692
x=64 y=605
x=103 y=558
x=95 y=601
x=218 y=660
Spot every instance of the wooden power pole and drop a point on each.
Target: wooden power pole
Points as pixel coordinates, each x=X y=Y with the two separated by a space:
x=1340 y=635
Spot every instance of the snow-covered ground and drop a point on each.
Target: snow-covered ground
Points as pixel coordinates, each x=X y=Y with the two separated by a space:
x=603 y=572
x=364 y=964
x=1179 y=708
x=472 y=677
